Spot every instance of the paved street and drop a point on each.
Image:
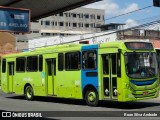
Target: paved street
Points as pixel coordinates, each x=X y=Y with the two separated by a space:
x=12 y=102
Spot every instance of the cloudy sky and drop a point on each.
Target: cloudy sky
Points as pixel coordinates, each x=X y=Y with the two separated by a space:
x=116 y=7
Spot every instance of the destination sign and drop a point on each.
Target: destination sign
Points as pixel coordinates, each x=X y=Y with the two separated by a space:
x=139 y=46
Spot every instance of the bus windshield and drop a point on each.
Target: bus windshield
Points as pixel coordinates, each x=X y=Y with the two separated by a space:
x=141 y=65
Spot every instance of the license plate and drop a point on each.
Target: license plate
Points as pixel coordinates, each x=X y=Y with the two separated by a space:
x=145 y=93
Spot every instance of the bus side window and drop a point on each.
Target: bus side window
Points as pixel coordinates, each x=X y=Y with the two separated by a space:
x=60 y=61
x=32 y=63
x=105 y=60
x=20 y=64
x=3 y=65
x=72 y=61
x=40 y=62
x=89 y=59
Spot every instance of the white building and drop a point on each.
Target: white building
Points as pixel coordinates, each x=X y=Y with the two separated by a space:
x=73 y=22
x=92 y=38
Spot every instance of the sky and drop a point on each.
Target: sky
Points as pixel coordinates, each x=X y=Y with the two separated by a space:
x=116 y=7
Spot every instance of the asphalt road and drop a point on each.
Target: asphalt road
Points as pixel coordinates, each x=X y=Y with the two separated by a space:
x=58 y=109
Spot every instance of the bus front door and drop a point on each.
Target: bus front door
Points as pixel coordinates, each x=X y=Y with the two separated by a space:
x=51 y=72
x=110 y=75
x=10 y=76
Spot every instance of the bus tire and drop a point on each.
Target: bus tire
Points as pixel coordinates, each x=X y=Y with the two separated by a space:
x=29 y=94
x=91 y=98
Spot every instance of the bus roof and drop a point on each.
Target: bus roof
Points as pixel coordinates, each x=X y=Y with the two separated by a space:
x=67 y=47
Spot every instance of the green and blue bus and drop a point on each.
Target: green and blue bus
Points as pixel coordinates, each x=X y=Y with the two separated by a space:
x=120 y=71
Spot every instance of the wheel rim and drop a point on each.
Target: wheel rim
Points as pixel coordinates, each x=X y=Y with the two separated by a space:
x=91 y=97
x=29 y=93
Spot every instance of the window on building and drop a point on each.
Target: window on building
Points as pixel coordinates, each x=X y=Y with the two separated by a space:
x=86 y=16
x=78 y=15
x=61 y=14
x=92 y=16
x=35 y=31
x=20 y=64
x=81 y=15
x=87 y=25
x=52 y=23
x=47 y=22
x=55 y=23
x=74 y=15
x=89 y=59
x=74 y=24
x=48 y=34
x=66 y=14
x=60 y=61
x=3 y=65
x=80 y=24
x=72 y=61
x=40 y=62
x=66 y=24
x=61 y=34
x=54 y=34
x=92 y=25
x=32 y=63
x=61 y=24
x=98 y=17
x=41 y=22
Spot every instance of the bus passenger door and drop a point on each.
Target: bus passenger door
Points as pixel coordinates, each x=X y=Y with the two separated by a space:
x=89 y=68
x=51 y=72
x=110 y=75
x=10 y=76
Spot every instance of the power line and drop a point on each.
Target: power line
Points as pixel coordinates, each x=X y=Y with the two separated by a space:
x=129 y=12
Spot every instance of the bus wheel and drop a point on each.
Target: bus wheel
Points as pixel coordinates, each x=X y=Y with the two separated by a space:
x=29 y=94
x=91 y=98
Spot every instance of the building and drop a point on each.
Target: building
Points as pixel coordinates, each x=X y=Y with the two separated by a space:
x=73 y=22
x=7 y=42
x=111 y=27
x=90 y=38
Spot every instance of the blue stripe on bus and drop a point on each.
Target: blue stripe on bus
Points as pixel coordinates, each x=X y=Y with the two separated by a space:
x=90 y=80
x=90 y=47
x=140 y=83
